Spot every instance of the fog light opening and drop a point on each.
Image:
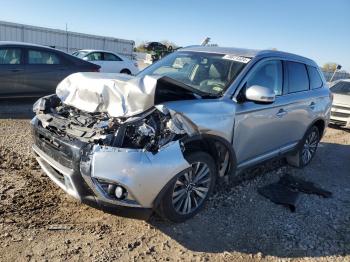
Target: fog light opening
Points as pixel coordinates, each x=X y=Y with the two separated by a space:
x=117 y=191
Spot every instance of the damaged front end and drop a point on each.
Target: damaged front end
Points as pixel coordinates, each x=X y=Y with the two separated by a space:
x=148 y=131
x=122 y=161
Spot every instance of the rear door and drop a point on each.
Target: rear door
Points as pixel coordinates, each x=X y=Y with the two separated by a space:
x=44 y=70
x=11 y=71
x=300 y=104
x=112 y=63
x=96 y=58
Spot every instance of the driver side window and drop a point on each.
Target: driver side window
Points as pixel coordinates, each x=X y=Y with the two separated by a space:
x=268 y=74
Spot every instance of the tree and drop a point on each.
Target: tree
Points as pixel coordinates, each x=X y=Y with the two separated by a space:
x=329 y=66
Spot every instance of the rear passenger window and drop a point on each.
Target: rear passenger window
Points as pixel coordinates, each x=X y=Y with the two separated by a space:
x=268 y=74
x=298 y=79
x=42 y=58
x=10 y=56
x=96 y=56
x=315 y=78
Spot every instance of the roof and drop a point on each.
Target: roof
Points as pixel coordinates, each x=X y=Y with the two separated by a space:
x=222 y=50
x=23 y=44
x=247 y=52
x=94 y=50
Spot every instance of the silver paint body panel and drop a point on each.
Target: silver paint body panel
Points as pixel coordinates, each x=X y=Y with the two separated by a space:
x=256 y=132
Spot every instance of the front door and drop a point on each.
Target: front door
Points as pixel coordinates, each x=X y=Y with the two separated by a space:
x=260 y=129
x=11 y=71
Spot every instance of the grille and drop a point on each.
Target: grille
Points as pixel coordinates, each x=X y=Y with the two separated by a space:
x=339 y=114
x=341 y=107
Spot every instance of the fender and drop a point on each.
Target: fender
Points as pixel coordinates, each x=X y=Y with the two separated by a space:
x=201 y=137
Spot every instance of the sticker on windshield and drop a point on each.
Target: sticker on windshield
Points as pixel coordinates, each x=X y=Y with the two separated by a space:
x=237 y=58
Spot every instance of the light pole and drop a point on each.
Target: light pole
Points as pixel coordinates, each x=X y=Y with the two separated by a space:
x=335 y=70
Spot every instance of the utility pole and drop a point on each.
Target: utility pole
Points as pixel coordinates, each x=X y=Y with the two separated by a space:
x=338 y=67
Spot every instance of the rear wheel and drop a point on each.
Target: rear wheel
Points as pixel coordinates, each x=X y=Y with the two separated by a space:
x=190 y=189
x=308 y=149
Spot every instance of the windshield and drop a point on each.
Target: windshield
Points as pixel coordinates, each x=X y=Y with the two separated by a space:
x=341 y=88
x=208 y=73
x=80 y=54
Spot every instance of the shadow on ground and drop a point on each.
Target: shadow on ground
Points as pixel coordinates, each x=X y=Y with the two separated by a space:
x=17 y=108
x=243 y=221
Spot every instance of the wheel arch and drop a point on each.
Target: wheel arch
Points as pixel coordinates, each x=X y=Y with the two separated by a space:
x=205 y=143
x=125 y=70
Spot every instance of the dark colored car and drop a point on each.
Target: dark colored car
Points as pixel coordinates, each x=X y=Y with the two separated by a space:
x=28 y=70
x=156 y=46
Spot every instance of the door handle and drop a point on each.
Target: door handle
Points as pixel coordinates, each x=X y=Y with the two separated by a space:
x=281 y=113
x=16 y=70
x=312 y=105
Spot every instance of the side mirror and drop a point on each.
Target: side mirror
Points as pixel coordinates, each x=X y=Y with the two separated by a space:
x=260 y=94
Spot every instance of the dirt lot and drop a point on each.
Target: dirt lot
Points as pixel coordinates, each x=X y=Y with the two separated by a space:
x=39 y=222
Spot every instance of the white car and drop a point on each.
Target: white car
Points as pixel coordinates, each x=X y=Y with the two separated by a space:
x=109 y=62
x=340 y=112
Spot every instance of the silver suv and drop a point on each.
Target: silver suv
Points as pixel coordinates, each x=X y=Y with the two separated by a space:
x=159 y=141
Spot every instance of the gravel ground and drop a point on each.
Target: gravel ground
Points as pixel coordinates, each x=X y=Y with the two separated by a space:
x=39 y=222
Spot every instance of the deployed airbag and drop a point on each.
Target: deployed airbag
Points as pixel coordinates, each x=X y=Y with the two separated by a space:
x=118 y=95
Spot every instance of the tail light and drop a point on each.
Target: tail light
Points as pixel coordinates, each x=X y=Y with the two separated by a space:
x=95 y=70
x=135 y=64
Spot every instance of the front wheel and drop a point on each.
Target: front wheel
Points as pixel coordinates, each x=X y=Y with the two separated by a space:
x=307 y=150
x=190 y=189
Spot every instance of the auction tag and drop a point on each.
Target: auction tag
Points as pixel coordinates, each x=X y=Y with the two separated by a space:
x=237 y=58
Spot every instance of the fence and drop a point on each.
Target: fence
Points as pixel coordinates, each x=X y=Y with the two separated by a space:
x=63 y=40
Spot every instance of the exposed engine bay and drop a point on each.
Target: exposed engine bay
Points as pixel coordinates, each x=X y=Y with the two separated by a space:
x=149 y=130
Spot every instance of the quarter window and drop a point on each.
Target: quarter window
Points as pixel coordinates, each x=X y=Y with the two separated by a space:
x=315 y=79
x=268 y=74
x=10 y=56
x=42 y=57
x=297 y=77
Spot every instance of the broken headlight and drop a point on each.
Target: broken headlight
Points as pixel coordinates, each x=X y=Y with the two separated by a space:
x=151 y=132
x=39 y=105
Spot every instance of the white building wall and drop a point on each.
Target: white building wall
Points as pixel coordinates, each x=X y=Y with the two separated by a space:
x=59 y=39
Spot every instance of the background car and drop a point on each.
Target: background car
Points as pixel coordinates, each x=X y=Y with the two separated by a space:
x=108 y=61
x=28 y=70
x=157 y=46
x=340 y=112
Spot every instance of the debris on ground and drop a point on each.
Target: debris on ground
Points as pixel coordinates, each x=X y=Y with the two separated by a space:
x=286 y=191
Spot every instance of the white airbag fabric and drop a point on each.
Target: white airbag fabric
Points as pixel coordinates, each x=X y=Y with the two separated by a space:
x=116 y=94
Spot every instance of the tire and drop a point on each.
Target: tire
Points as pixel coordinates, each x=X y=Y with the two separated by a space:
x=186 y=195
x=307 y=149
x=125 y=71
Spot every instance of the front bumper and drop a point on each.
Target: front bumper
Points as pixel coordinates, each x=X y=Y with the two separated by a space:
x=340 y=115
x=79 y=169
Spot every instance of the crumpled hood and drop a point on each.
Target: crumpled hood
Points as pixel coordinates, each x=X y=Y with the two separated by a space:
x=118 y=95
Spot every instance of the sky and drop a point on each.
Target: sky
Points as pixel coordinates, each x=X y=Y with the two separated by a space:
x=316 y=29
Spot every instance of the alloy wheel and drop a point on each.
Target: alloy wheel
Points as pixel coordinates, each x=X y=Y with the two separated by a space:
x=310 y=147
x=191 y=188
